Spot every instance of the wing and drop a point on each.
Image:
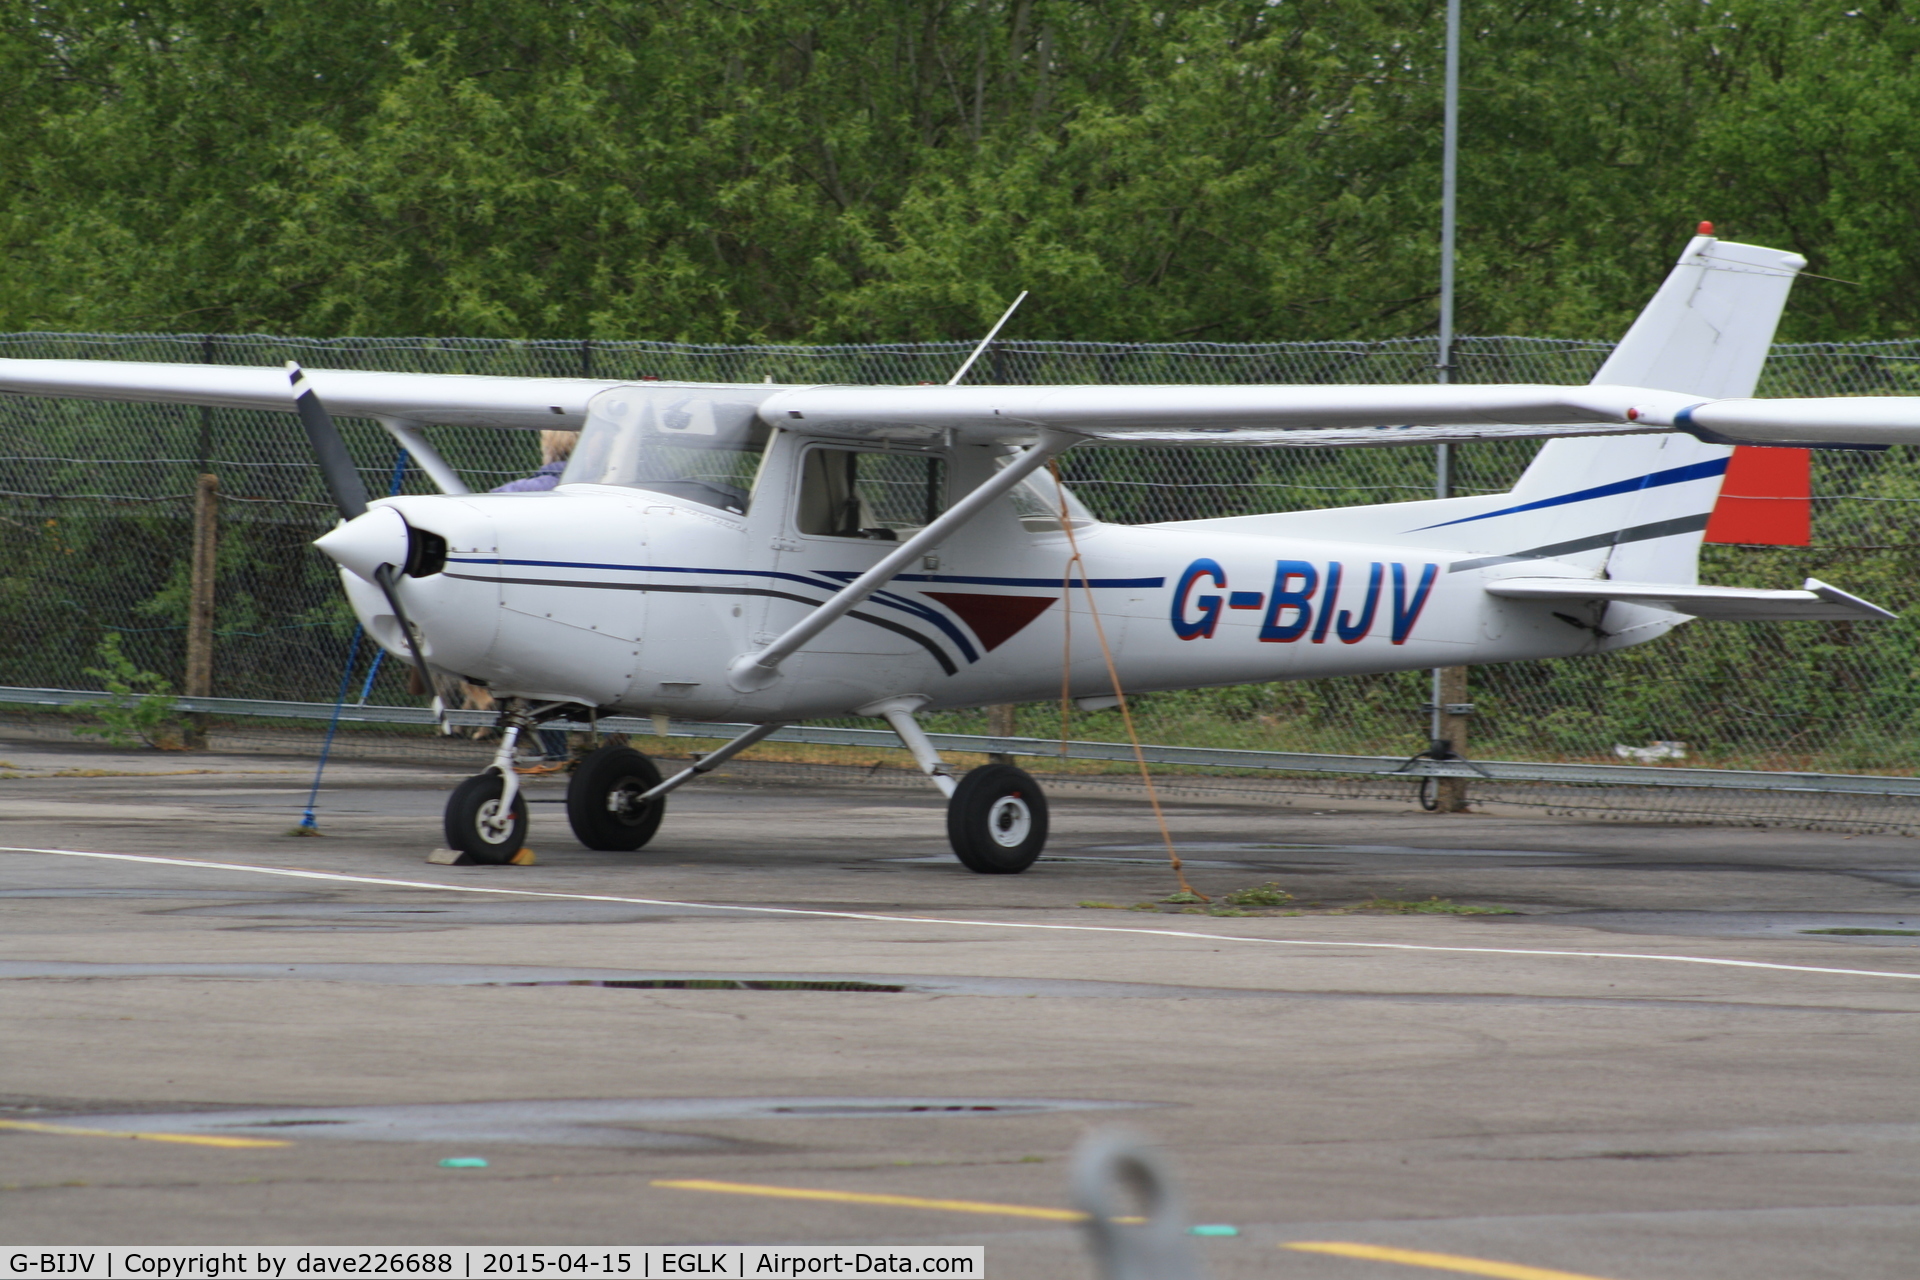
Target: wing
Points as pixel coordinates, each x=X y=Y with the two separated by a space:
x=1161 y=415
x=467 y=400
x=1736 y=604
x=1269 y=416
x=1828 y=423
x=1318 y=416
x=1215 y=415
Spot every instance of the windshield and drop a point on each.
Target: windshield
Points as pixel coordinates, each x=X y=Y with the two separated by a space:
x=1038 y=500
x=698 y=445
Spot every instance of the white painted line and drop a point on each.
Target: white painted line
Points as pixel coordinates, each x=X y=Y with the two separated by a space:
x=385 y=883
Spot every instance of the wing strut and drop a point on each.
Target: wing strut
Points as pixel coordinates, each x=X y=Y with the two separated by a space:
x=754 y=671
x=424 y=455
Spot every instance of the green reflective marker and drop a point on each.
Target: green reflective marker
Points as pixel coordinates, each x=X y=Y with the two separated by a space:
x=1213 y=1229
x=463 y=1162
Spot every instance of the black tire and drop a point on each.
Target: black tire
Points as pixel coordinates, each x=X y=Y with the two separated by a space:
x=600 y=800
x=470 y=821
x=997 y=820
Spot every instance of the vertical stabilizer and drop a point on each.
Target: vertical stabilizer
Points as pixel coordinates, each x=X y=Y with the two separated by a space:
x=1634 y=507
x=1708 y=330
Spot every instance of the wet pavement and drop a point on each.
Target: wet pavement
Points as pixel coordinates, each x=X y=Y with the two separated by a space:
x=1664 y=1062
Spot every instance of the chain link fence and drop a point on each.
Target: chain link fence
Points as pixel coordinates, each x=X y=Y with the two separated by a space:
x=96 y=508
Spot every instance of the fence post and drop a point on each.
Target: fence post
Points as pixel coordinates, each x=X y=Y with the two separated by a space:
x=206 y=529
x=1450 y=691
x=1449 y=684
x=1000 y=725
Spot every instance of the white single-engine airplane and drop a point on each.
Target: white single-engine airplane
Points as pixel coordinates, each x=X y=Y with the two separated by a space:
x=768 y=554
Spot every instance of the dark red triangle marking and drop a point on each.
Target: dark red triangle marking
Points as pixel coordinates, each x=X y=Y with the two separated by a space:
x=995 y=619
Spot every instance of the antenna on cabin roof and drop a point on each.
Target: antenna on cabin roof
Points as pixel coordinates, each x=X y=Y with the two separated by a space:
x=991 y=335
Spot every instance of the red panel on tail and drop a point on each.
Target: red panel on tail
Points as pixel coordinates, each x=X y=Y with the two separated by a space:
x=1765 y=499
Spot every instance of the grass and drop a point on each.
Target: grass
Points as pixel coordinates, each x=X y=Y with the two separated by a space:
x=1430 y=907
x=1268 y=899
x=1869 y=933
x=1260 y=895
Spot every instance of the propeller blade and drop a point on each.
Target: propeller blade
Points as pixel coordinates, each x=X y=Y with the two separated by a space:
x=329 y=450
x=384 y=576
x=349 y=494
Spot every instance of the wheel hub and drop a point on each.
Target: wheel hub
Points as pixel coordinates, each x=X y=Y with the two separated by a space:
x=495 y=824
x=624 y=799
x=1009 y=822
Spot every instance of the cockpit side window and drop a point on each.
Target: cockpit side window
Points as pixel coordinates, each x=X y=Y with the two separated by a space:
x=693 y=446
x=846 y=493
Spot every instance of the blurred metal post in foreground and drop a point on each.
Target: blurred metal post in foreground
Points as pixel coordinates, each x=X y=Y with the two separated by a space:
x=1157 y=1249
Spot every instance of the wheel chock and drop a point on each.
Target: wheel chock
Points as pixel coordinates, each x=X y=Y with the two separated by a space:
x=454 y=858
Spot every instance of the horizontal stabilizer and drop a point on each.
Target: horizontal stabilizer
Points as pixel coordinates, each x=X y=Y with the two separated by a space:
x=1735 y=604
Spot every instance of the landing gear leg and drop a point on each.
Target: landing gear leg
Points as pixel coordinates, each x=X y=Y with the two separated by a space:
x=996 y=815
x=486 y=816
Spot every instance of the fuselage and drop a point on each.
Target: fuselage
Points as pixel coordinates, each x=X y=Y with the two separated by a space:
x=637 y=600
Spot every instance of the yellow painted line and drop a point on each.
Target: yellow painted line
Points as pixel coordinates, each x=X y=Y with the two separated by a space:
x=1437 y=1261
x=192 y=1139
x=864 y=1197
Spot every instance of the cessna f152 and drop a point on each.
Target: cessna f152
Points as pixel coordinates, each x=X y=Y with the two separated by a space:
x=765 y=554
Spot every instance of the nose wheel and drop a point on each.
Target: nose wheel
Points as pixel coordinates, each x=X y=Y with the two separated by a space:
x=997 y=820
x=479 y=825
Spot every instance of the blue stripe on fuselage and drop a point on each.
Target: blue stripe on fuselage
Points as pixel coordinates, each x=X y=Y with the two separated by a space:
x=835 y=580
x=953 y=633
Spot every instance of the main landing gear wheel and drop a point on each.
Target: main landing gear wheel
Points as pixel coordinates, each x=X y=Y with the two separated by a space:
x=997 y=820
x=603 y=803
x=478 y=827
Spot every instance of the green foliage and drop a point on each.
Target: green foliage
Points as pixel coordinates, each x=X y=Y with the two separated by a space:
x=852 y=171
x=140 y=710
x=1430 y=907
x=1269 y=894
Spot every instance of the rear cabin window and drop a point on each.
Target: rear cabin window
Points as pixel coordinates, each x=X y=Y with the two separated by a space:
x=846 y=493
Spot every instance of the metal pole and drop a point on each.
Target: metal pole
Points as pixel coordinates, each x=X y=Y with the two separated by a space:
x=1449 y=685
x=206 y=533
x=1449 y=192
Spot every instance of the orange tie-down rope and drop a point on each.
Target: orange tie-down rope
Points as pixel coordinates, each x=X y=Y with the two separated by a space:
x=1113 y=674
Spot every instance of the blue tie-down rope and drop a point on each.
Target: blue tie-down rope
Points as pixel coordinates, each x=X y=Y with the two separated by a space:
x=308 y=825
